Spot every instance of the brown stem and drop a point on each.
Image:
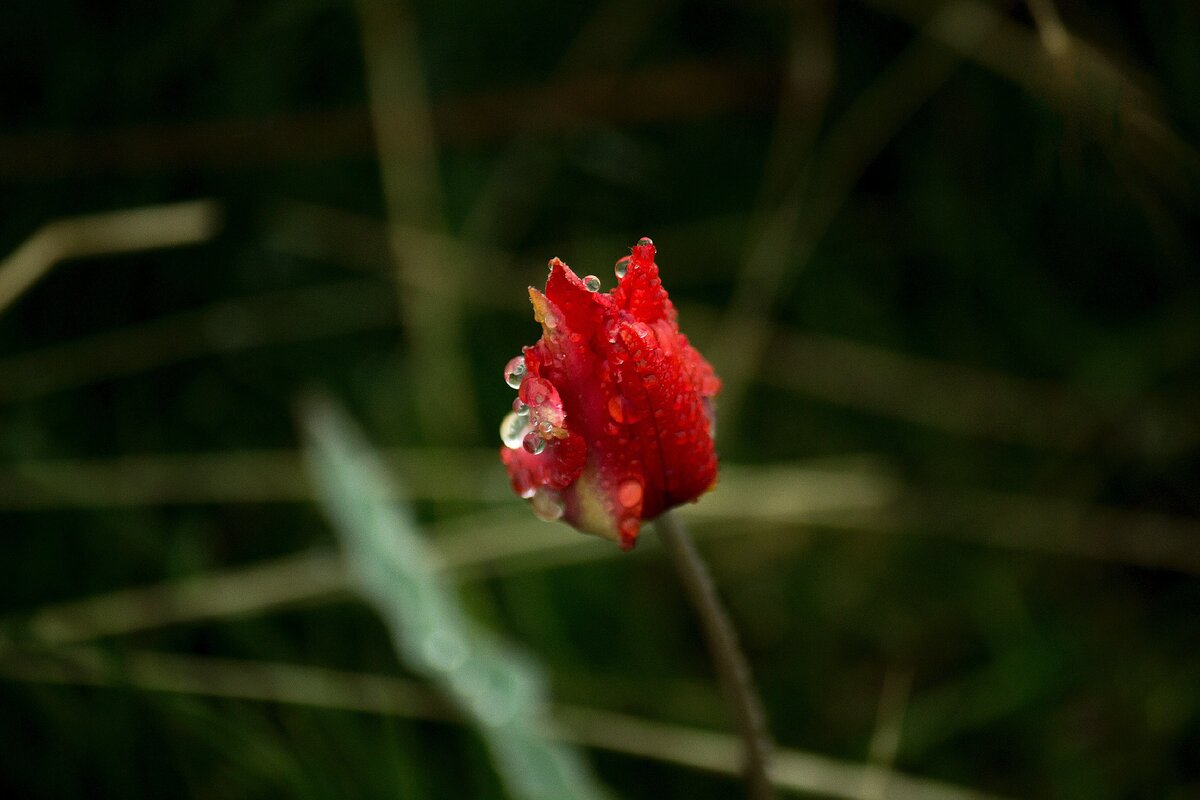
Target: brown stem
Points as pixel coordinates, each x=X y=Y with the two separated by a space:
x=727 y=656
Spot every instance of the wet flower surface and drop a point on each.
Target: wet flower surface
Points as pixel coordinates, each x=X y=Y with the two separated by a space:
x=612 y=423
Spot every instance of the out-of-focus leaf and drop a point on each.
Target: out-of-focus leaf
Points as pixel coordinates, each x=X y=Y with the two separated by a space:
x=500 y=692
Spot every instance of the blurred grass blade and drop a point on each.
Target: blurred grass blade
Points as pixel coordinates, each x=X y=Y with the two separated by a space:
x=799 y=771
x=128 y=230
x=500 y=693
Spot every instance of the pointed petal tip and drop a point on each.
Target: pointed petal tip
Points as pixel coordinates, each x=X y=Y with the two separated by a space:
x=561 y=272
x=644 y=250
x=544 y=311
x=537 y=299
x=580 y=307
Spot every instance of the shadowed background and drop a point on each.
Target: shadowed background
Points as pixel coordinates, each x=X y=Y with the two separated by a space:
x=943 y=255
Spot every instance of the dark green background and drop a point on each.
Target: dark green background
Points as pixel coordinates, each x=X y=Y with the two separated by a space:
x=946 y=210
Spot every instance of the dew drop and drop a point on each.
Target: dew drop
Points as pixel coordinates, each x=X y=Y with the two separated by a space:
x=591 y=283
x=513 y=429
x=547 y=505
x=629 y=494
x=545 y=426
x=533 y=443
x=537 y=392
x=645 y=241
x=622 y=410
x=514 y=372
x=615 y=410
x=519 y=407
x=622 y=266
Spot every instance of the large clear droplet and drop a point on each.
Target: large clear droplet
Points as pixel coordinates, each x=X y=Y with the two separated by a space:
x=514 y=372
x=519 y=406
x=645 y=241
x=622 y=266
x=591 y=283
x=513 y=429
x=533 y=443
x=547 y=505
x=629 y=493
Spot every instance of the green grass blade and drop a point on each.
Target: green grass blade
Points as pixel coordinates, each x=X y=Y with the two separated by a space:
x=501 y=693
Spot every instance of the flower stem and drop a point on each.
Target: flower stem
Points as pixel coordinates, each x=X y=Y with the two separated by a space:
x=730 y=662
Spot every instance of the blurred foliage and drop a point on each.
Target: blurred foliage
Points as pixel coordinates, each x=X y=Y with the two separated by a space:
x=922 y=232
x=496 y=689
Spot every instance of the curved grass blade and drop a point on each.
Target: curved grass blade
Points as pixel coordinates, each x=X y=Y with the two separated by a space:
x=501 y=693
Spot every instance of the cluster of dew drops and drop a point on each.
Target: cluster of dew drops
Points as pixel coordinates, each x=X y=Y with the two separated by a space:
x=518 y=430
x=520 y=427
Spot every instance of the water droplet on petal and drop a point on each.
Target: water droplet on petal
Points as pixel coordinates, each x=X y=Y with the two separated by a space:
x=545 y=426
x=547 y=505
x=645 y=241
x=514 y=372
x=615 y=410
x=622 y=410
x=629 y=494
x=537 y=392
x=533 y=443
x=519 y=407
x=591 y=283
x=622 y=266
x=513 y=429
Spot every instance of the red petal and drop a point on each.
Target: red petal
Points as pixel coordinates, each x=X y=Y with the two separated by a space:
x=669 y=423
x=582 y=310
x=641 y=292
x=556 y=467
x=626 y=397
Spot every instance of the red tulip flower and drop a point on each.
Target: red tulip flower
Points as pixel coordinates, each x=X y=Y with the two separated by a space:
x=613 y=422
